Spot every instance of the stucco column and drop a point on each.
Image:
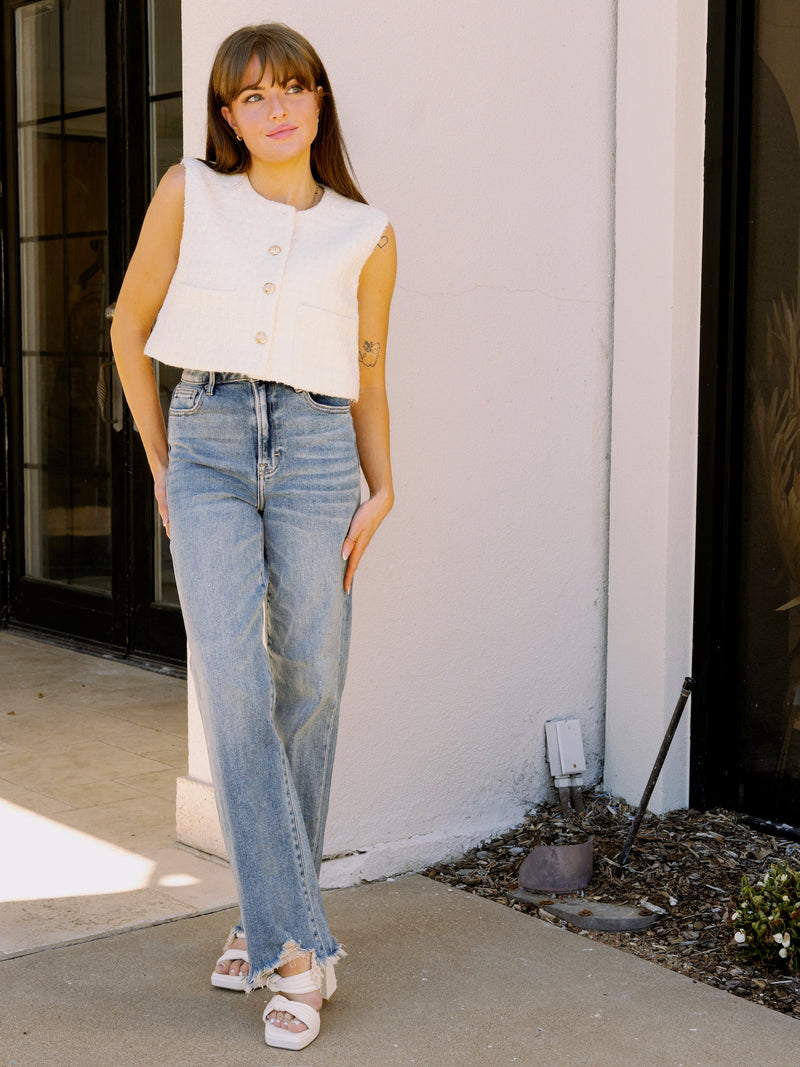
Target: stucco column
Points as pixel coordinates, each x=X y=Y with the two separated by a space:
x=659 y=202
x=204 y=24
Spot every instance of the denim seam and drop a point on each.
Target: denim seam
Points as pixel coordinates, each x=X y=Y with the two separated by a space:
x=326 y=767
x=327 y=409
x=268 y=452
x=302 y=871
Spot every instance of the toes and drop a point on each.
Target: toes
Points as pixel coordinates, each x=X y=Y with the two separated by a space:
x=284 y=1020
x=233 y=967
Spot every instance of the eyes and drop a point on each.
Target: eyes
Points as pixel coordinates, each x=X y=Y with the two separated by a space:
x=290 y=89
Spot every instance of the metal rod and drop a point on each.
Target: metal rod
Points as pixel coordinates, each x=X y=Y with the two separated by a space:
x=686 y=691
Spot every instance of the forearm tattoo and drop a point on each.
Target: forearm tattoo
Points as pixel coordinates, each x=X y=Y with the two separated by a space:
x=383 y=241
x=370 y=353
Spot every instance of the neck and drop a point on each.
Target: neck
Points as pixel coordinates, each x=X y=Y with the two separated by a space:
x=291 y=184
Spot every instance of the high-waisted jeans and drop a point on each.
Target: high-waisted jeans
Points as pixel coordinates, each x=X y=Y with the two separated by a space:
x=262 y=483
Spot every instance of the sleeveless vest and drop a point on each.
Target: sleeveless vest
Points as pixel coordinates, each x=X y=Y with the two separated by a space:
x=264 y=289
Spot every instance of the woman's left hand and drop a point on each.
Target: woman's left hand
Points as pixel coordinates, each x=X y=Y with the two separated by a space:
x=365 y=522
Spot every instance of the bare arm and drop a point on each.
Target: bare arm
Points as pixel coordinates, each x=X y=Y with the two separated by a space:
x=143 y=290
x=371 y=412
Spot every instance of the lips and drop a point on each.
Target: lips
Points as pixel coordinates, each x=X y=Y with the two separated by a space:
x=280 y=131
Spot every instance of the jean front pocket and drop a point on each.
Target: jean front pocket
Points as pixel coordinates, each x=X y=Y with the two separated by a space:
x=335 y=405
x=187 y=398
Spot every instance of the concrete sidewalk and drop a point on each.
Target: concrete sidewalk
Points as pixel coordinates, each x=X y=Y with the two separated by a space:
x=110 y=928
x=434 y=976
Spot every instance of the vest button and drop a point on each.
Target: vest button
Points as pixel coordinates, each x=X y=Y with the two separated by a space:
x=261 y=337
x=275 y=250
x=269 y=288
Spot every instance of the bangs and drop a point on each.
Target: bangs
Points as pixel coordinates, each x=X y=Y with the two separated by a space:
x=285 y=60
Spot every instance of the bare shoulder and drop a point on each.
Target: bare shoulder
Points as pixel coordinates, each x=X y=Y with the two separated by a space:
x=164 y=218
x=172 y=187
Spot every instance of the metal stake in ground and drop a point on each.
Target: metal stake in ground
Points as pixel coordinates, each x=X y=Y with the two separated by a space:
x=688 y=686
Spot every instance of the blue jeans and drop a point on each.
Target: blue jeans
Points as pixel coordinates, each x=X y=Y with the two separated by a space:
x=262 y=483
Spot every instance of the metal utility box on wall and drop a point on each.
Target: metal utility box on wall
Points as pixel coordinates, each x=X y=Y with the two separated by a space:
x=567 y=761
x=565 y=747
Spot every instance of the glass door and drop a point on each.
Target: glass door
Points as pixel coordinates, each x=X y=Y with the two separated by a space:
x=746 y=719
x=768 y=635
x=93 y=119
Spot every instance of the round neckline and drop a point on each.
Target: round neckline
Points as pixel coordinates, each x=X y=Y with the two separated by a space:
x=280 y=204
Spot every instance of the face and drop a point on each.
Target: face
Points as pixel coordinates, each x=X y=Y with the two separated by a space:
x=276 y=122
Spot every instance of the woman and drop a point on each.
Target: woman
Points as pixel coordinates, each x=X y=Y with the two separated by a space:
x=271 y=279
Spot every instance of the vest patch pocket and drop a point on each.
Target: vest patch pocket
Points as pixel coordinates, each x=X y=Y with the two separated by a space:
x=187 y=399
x=326 y=347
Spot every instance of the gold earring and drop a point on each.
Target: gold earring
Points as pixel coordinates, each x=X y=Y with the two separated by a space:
x=238 y=138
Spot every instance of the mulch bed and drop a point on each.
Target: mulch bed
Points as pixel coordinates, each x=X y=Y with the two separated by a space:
x=686 y=865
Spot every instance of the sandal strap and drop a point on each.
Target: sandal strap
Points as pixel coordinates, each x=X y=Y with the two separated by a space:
x=304 y=982
x=304 y=1012
x=234 y=954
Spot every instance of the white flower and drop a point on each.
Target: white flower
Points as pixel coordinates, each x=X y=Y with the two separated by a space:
x=739 y=936
x=786 y=941
x=735 y=916
x=783 y=953
x=778 y=938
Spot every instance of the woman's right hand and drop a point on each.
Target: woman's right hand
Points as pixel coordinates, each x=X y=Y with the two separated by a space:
x=160 y=488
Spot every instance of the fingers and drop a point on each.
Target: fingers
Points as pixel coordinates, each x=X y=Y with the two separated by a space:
x=353 y=549
x=163 y=509
x=356 y=551
x=160 y=490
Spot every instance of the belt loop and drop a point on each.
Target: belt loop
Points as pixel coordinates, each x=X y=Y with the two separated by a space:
x=210 y=383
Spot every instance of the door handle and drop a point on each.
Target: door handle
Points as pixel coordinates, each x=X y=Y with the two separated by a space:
x=109 y=387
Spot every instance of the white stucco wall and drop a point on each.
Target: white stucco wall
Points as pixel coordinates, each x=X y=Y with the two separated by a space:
x=480 y=609
x=659 y=208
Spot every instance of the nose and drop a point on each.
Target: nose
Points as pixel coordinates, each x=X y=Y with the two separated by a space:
x=277 y=109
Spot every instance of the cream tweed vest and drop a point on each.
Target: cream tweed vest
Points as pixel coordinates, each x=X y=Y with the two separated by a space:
x=266 y=290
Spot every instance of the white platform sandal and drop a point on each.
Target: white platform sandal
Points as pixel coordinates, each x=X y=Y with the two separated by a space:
x=308 y=981
x=230 y=981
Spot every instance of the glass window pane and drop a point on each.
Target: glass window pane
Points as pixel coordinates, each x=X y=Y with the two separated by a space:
x=38 y=61
x=85 y=173
x=166 y=133
x=44 y=382
x=87 y=295
x=67 y=475
x=84 y=55
x=165 y=46
x=40 y=197
x=42 y=296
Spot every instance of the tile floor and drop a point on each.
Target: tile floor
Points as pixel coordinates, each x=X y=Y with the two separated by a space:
x=89 y=753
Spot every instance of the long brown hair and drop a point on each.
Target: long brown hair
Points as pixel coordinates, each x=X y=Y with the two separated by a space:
x=288 y=56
